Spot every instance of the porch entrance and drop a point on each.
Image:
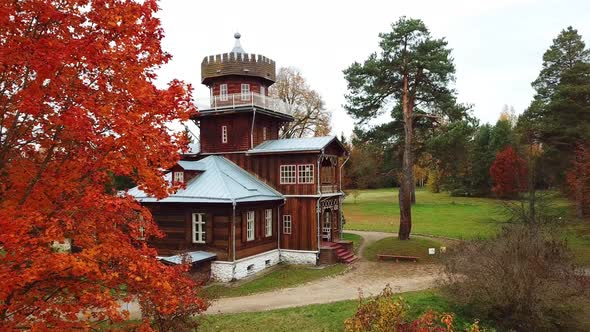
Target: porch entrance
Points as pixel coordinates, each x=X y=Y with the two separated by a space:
x=327 y=226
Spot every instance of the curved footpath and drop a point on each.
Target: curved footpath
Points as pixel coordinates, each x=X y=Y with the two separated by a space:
x=367 y=277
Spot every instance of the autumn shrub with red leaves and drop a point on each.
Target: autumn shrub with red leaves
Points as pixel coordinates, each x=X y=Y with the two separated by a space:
x=386 y=313
x=78 y=105
x=509 y=174
x=578 y=181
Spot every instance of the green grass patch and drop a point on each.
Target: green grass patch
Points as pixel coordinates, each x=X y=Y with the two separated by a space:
x=324 y=317
x=433 y=214
x=357 y=240
x=415 y=246
x=282 y=276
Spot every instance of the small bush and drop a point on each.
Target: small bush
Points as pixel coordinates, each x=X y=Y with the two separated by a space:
x=385 y=313
x=523 y=279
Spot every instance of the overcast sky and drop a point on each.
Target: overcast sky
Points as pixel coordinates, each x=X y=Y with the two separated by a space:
x=497 y=44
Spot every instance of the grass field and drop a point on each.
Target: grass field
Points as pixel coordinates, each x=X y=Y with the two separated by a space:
x=282 y=276
x=433 y=214
x=453 y=217
x=323 y=317
x=416 y=246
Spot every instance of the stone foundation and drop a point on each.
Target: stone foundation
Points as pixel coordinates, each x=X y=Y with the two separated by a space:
x=228 y=271
x=299 y=257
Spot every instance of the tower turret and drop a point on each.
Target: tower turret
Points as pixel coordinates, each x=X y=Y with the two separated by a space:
x=241 y=114
x=220 y=67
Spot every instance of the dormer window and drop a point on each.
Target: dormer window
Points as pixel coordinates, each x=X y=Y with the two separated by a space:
x=178 y=177
x=223 y=92
x=245 y=91
x=223 y=134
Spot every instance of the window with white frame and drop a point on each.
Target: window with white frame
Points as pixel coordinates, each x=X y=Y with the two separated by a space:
x=250 y=226
x=179 y=177
x=264 y=133
x=199 y=228
x=223 y=134
x=245 y=91
x=288 y=174
x=305 y=173
x=262 y=90
x=287 y=224
x=223 y=92
x=268 y=222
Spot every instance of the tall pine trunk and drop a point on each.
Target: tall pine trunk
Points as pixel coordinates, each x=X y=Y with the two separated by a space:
x=405 y=198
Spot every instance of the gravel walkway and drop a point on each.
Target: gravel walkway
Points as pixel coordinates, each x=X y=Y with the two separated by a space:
x=365 y=276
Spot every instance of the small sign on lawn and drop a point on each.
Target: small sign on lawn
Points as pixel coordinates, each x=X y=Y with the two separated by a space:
x=431 y=251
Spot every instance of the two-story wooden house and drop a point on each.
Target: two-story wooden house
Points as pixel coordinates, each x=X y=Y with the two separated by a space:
x=252 y=199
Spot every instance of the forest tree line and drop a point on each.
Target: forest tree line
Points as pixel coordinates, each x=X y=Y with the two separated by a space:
x=545 y=147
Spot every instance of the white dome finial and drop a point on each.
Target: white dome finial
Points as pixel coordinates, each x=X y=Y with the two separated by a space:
x=237 y=46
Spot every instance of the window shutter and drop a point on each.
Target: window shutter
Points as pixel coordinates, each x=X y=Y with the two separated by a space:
x=259 y=224
x=244 y=229
x=208 y=228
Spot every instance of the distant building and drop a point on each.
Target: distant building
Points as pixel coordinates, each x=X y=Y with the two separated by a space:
x=251 y=198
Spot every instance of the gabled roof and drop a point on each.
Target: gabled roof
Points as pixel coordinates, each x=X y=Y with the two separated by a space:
x=311 y=144
x=192 y=165
x=221 y=181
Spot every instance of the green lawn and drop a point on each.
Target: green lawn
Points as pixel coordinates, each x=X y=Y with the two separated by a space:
x=433 y=214
x=323 y=317
x=282 y=276
x=416 y=246
x=453 y=217
x=357 y=240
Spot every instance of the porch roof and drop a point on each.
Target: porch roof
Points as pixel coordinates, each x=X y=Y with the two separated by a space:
x=311 y=144
x=191 y=256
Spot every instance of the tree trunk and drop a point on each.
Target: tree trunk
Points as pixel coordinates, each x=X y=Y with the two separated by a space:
x=405 y=204
x=532 y=202
x=413 y=191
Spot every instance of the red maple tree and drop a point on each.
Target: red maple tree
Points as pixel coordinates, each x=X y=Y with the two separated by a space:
x=77 y=106
x=578 y=180
x=509 y=174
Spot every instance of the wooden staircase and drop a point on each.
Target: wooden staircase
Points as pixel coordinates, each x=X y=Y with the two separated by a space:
x=344 y=255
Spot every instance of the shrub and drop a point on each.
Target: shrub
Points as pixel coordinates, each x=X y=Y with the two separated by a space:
x=385 y=313
x=578 y=181
x=523 y=279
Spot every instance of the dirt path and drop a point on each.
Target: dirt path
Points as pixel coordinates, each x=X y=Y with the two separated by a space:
x=365 y=276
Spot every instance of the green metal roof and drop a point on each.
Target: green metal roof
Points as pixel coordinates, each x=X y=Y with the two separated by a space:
x=220 y=181
x=293 y=145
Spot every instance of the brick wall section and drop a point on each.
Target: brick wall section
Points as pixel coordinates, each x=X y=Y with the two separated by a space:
x=234 y=85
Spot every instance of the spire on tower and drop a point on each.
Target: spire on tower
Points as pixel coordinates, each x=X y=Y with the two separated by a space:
x=237 y=46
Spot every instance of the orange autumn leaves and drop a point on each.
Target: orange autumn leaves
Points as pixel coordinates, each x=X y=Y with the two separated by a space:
x=77 y=105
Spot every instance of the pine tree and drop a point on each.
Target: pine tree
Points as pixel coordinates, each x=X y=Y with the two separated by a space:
x=411 y=68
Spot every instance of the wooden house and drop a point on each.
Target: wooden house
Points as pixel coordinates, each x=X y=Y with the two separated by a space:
x=252 y=198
